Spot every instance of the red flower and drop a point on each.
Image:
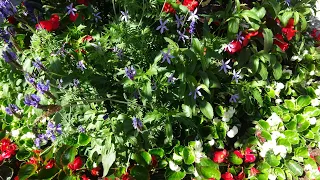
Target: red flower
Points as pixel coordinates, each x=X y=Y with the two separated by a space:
x=95 y=171
x=12 y=20
x=74 y=17
x=233 y=47
x=16 y=178
x=238 y=153
x=5 y=142
x=76 y=164
x=125 y=176
x=315 y=34
x=280 y=42
x=168 y=8
x=154 y=161
x=240 y=176
x=9 y=151
x=191 y=4
x=249 y=158
x=227 y=176
x=84 y=2
x=50 y=164
x=84 y=177
x=51 y=24
x=87 y=38
x=248 y=36
x=32 y=160
x=220 y=156
x=319 y=168
x=254 y=171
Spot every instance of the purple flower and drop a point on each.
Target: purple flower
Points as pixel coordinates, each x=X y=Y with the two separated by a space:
x=287 y=2
x=125 y=16
x=196 y=92
x=42 y=88
x=81 y=66
x=59 y=128
x=30 y=78
x=5 y=35
x=32 y=100
x=97 y=16
x=51 y=125
x=42 y=137
x=81 y=129
x=38 y=64
x=71 y=9
x=105 y=116
x=193 y=16
x=60 y=81
x=136 y=123
x=11 y=109
x=6 y=9
x=9 y=56
x=182 y=36
x=130 y=72
x=166 y=56
x=234 y=98
x=118 y=51
x=162 y=26
x=171 y=79
x=236 y=75
x=225 y=66
x=239 y=37
x=37 y=142
x=192 y=27
x=179 y=20
x=76 y=82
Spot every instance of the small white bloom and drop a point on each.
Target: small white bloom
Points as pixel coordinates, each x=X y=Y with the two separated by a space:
x=274 y=120
x=315 y=102
x=280 y=149
x=278 y=101
x=232 y=132
x=228 y=114
x=211 y=142
x=317 y=91
x=173 y=166
x=305 y=52
x=311 y=73
x=195 y=173
x=287 y=71
x=28 y=135
x=272 y=177
x=319 y=145
x=176 y=157
x=266 y=147
x=216 y=120
x=198 y=146
x=15 y=133
x=312 y=120
x=198 y=155
x=308 y=167
x=279 y=87
x=276 y=134
x=294 y=58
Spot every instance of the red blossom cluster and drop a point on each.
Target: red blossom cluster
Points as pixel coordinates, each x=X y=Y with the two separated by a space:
x=50 y=25
x=76 y=164
x=289 y=33
x=315 y=34
x=236 y=45
x=190 y=4
x=7 y=149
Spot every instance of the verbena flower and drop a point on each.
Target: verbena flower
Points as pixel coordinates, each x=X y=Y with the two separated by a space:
x=130 y=72
x=43 y=87
x=12 y=109
x=6 y=9
x=196 y=92
x=236 y=75
x=182 y=35
x=179 y=20
x=225 y=66
x=234 y=98
x=38 y=64
x=32 y=100
x=9 y=55
x=81 y=66
x=76 y=82
x=192 y=27
x=30 y=78
x=71 y=10
x=162 y=26
x=166 y=56
x=97 y=16
x=136 y=123
x=125 y=16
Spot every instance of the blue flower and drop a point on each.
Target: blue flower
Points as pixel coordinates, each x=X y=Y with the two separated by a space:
x=51 y=125
x=38 y=64
x=287 y=2
x=196 y=92
x=32 y=100
x=71 y=9
x=179 y=20
x=81 y=66
x=166 y=56
x=30 y=78
x=118 y=51
x=236 y=75
x=81 y=129
x=162 y=26
x=37 y=142
x=125 y=16
x=11 y=109
x=192 y=27
x=130 y=72
x=239 y=37
x=193 y=16
x=76 y=82
x=136 y=123
x=59 y=81
x=42 y=88
x=225 y=66
x=171 y=79
x=6 y=9
x=59 y=128
x=234 y=98
x=105 y=116
x=182 y=36
x=97 y=16
x=9 y=56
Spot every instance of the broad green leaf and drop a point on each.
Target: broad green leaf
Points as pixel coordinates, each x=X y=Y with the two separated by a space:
x=65 y=155
x=146 y=156
x=26 y=171
x=171 y=42
x=292 y=136
x=257 y=95
x=264 y=124
x=234 y=159
x=263 y=71
x=23 y=154
x=157 y=151
x=303 y=22
x=233 y=25
x=303 y=101
x=187 y=110
x=48 y=173
x=83 y=139
x=264 y=167
x=208 y=169
x=268 y=39
x=280 y=173
x=206 y=109
x=108 y=157
x=6 y=172
x=277 y=71
x=197 y=46
x=312 y=111
x=289 y=104
x=173 y=175
x=301 y=152
x=272 y=159
x=250 y=14
x=188 y=155
x=285 y=17
x=294 y=167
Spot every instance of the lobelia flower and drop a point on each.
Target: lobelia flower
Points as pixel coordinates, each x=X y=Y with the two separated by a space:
x=179 y=21
x=171 y=79
x=234 y=98
x=71 y=10
x=97 y=16
x=162 y=26
x=76 y=82
x=196 y=92
x=12 y=109
x=125 y=16
x=136 y=123
x=59 y=128
x=225 y=66
x=42 y=88
x=6 y=9
x=236 y=75
x=81 y=129
x=166 y=56
x=81 y=66
x=233 y=47
x=9 y=56
x=38 y=64
x=220 y=156
x=130 y=72
x=32 y=100
x=105 y=116
x=182 y=35
x=278 y=40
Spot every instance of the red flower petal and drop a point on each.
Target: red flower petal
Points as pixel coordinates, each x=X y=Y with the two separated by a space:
x=74 y=17
x=238 y=153
x=220 y=156
x=95 y=171
x=254 y=171
x=280 y=42
x=227 y=176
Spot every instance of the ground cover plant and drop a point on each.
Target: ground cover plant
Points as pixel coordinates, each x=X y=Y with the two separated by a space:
x=159 y=89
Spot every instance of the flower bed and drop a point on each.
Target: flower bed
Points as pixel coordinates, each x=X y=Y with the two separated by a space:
x=159 y=90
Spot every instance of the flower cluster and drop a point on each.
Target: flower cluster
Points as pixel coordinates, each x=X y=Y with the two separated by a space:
x=50 y=25
x=51 y=133
x=7 y=149
x=6 y=9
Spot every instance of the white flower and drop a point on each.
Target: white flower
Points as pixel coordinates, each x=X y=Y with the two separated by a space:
x=319 y=145
x=317 y=91
x=311 y=73
x=232 y=132
x=198 y=146
x=198 y=155
x=274 y=120
x=312 y=120
x=272 y=177
x=176 y=157
x=216 y=120
x=173 y=166
x=276 y=134
x=305 y=52
x=280 y=149
x=228 y=114
x=15 y=133
x=287 y=71
x=211 y=142
x=266 y=147
x=294 y=58
x=315 y=102
x=308 y=167
x=278 y=101
x=279 y=87
x=195 y=173
x=28 y=135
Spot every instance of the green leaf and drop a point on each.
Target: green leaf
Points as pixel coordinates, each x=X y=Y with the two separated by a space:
x=292 y=136
x=171 y=42
x=206 y=109
x=6 y=172
x=146 y=156
x=250 y=14
x=108 y=156
x=289 y=104
x=272 y=160
x=23 y=154
x=233 y=25
x=277 y=71
x=264 y=167
x=183 y=8
x=139 y=172
x=303 y=22
x=263 y=71
x=264 y=124
x=187 y=110
x=65 y=155
x=294 y=167
x=205 y=78
x=83 y=139
x=302 y=123
x=268 y=39
x=280 y=173
x=233 y=158
x=197 y=46
x=301 y=152
x=169 y=133
x=157 y=151
x=48 y=173
x=188 y=155
x=303 y=101
x=285 y=17
x=311 y=111
x=208 y=169
x=257 y=95
x=173 y=175
x=26 y=171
